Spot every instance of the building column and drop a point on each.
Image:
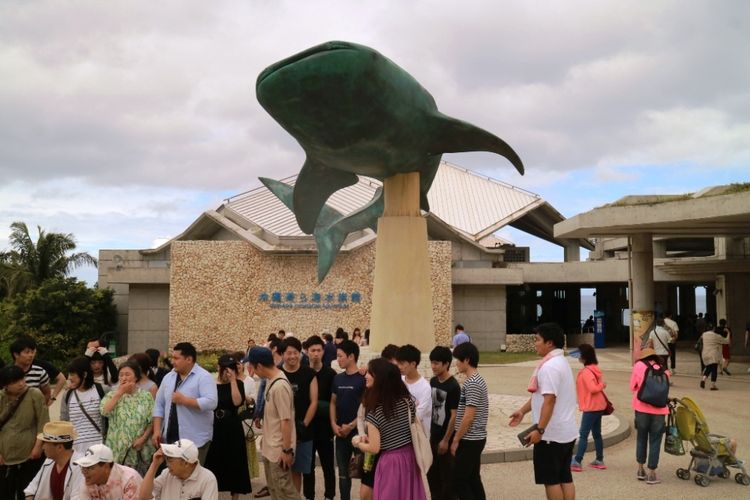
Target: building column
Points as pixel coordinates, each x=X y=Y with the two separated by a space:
x=642 y=289
x=572 y=251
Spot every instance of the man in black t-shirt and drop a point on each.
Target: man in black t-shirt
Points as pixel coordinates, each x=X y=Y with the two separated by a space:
x=445 y=396
x=322 y=432
x=305 y=389
x=346 y=395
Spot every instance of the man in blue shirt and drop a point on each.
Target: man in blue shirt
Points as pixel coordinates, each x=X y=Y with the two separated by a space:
x=185 y=402
x=460 y=336
x=346 y=394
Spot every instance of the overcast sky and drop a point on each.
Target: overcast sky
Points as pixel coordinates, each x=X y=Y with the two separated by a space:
x=120 y=122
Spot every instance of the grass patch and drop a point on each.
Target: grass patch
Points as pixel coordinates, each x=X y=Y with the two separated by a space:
x=504 y=358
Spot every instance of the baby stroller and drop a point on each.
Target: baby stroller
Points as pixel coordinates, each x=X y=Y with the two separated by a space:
x=711 y=455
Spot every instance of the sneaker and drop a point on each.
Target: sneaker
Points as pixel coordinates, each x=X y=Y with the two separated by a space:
x=575 y=466
x=641 y=474
x=598 y=464
x=652 y=479
x=703 y=384
x=714 y=388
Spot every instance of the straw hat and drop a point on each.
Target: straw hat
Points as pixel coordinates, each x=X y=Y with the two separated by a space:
x=647 y=353
x=58 y=431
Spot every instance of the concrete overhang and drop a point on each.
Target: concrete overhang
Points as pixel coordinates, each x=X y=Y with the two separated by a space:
x=486 y=276
x=139 y=276
x=700 y=215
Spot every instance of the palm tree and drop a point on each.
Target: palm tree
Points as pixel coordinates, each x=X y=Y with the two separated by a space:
x=28 y=264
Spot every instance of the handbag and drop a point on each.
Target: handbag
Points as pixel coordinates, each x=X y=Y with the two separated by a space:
x=357 y=465
x=421 y=443
x=609 y=409
x=672 y=440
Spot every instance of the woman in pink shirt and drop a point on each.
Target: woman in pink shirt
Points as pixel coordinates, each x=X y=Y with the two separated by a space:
x=591 y=401
x=649 y=420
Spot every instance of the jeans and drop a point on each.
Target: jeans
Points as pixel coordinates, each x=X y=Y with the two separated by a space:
x=344 y=451
x=440 y=475
x=591 y=421
x=468 y=481
x=649 y=431
x=324 y=447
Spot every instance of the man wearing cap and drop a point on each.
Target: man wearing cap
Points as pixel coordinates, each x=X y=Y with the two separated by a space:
x=183 y=479
x=104 y=479
x=279 y=436
x=185 y=404
x=59 y=477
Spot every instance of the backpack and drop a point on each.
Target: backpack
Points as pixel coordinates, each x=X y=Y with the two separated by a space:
x=655 y=387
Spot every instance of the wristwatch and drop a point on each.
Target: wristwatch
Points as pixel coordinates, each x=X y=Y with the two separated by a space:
x=288 y=451
x=540 y=430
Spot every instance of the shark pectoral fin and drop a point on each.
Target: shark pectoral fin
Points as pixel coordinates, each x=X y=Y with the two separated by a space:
x=330 y=238
x=283 y=191
x=455 y=136
x=315 y=184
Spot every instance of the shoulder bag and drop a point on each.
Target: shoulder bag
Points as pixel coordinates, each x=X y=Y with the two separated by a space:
x=85 y=414
x=610 y=408
x=420 y=441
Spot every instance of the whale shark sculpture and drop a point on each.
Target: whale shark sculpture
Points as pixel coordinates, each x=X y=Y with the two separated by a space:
x=355 y=112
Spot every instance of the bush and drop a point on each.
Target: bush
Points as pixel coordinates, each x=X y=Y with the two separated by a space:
x=209 y=359
x=60 y=315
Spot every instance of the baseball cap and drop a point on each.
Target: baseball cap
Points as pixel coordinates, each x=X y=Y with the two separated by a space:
x=227 y=360
x=96 y=454
x=183 y=448
x=58 y=431
x=259 y=355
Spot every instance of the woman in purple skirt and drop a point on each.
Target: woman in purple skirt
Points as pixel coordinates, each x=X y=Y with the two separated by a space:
x=390 y=409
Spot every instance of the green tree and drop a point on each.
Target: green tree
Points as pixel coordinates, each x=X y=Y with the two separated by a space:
x=28 y=263
x=61 y=315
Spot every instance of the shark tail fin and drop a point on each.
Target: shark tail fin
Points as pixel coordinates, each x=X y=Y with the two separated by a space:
x=456 y=136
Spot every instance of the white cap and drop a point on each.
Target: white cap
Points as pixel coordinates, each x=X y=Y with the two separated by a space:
x=184 y=449
x=95 y=454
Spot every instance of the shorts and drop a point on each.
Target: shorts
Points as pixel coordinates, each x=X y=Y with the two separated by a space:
x=303 y=457
x=552 y=462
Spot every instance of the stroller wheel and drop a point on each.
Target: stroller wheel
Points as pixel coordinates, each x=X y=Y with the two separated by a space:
x=742 y=478
x=683 y=473
x=701 y=480
x=724 y=474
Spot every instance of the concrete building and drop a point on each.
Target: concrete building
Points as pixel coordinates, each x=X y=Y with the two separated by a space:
x=245 y=269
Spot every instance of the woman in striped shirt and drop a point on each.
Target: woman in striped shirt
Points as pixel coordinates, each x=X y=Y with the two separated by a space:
x=80 y=405
x=390 y=410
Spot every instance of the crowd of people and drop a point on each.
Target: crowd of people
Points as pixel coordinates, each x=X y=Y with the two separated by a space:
x=151 y=427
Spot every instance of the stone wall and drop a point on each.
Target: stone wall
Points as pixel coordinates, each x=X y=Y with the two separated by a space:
x=224 y=292
x=525 y=342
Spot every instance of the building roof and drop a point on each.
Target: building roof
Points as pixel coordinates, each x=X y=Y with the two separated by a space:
x=473 y=204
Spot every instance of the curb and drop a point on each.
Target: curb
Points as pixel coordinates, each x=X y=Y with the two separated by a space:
x=519 y=454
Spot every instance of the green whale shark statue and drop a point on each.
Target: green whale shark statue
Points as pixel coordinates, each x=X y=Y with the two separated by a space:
x=355 y=112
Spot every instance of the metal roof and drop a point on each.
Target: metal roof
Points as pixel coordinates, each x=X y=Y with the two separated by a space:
x=471 y=203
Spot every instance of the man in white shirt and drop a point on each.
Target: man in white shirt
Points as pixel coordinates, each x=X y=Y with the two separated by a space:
x=553 y=408
x=183 y=479
x=407 y=359
x=57 y=438
x=674 y=332
x=659 y=339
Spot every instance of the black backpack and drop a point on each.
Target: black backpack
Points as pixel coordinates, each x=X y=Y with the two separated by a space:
x=655 y=387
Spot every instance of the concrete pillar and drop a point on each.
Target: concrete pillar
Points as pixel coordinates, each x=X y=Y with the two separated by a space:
x=572 y=251
x=402 y=292
x=642 y=288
